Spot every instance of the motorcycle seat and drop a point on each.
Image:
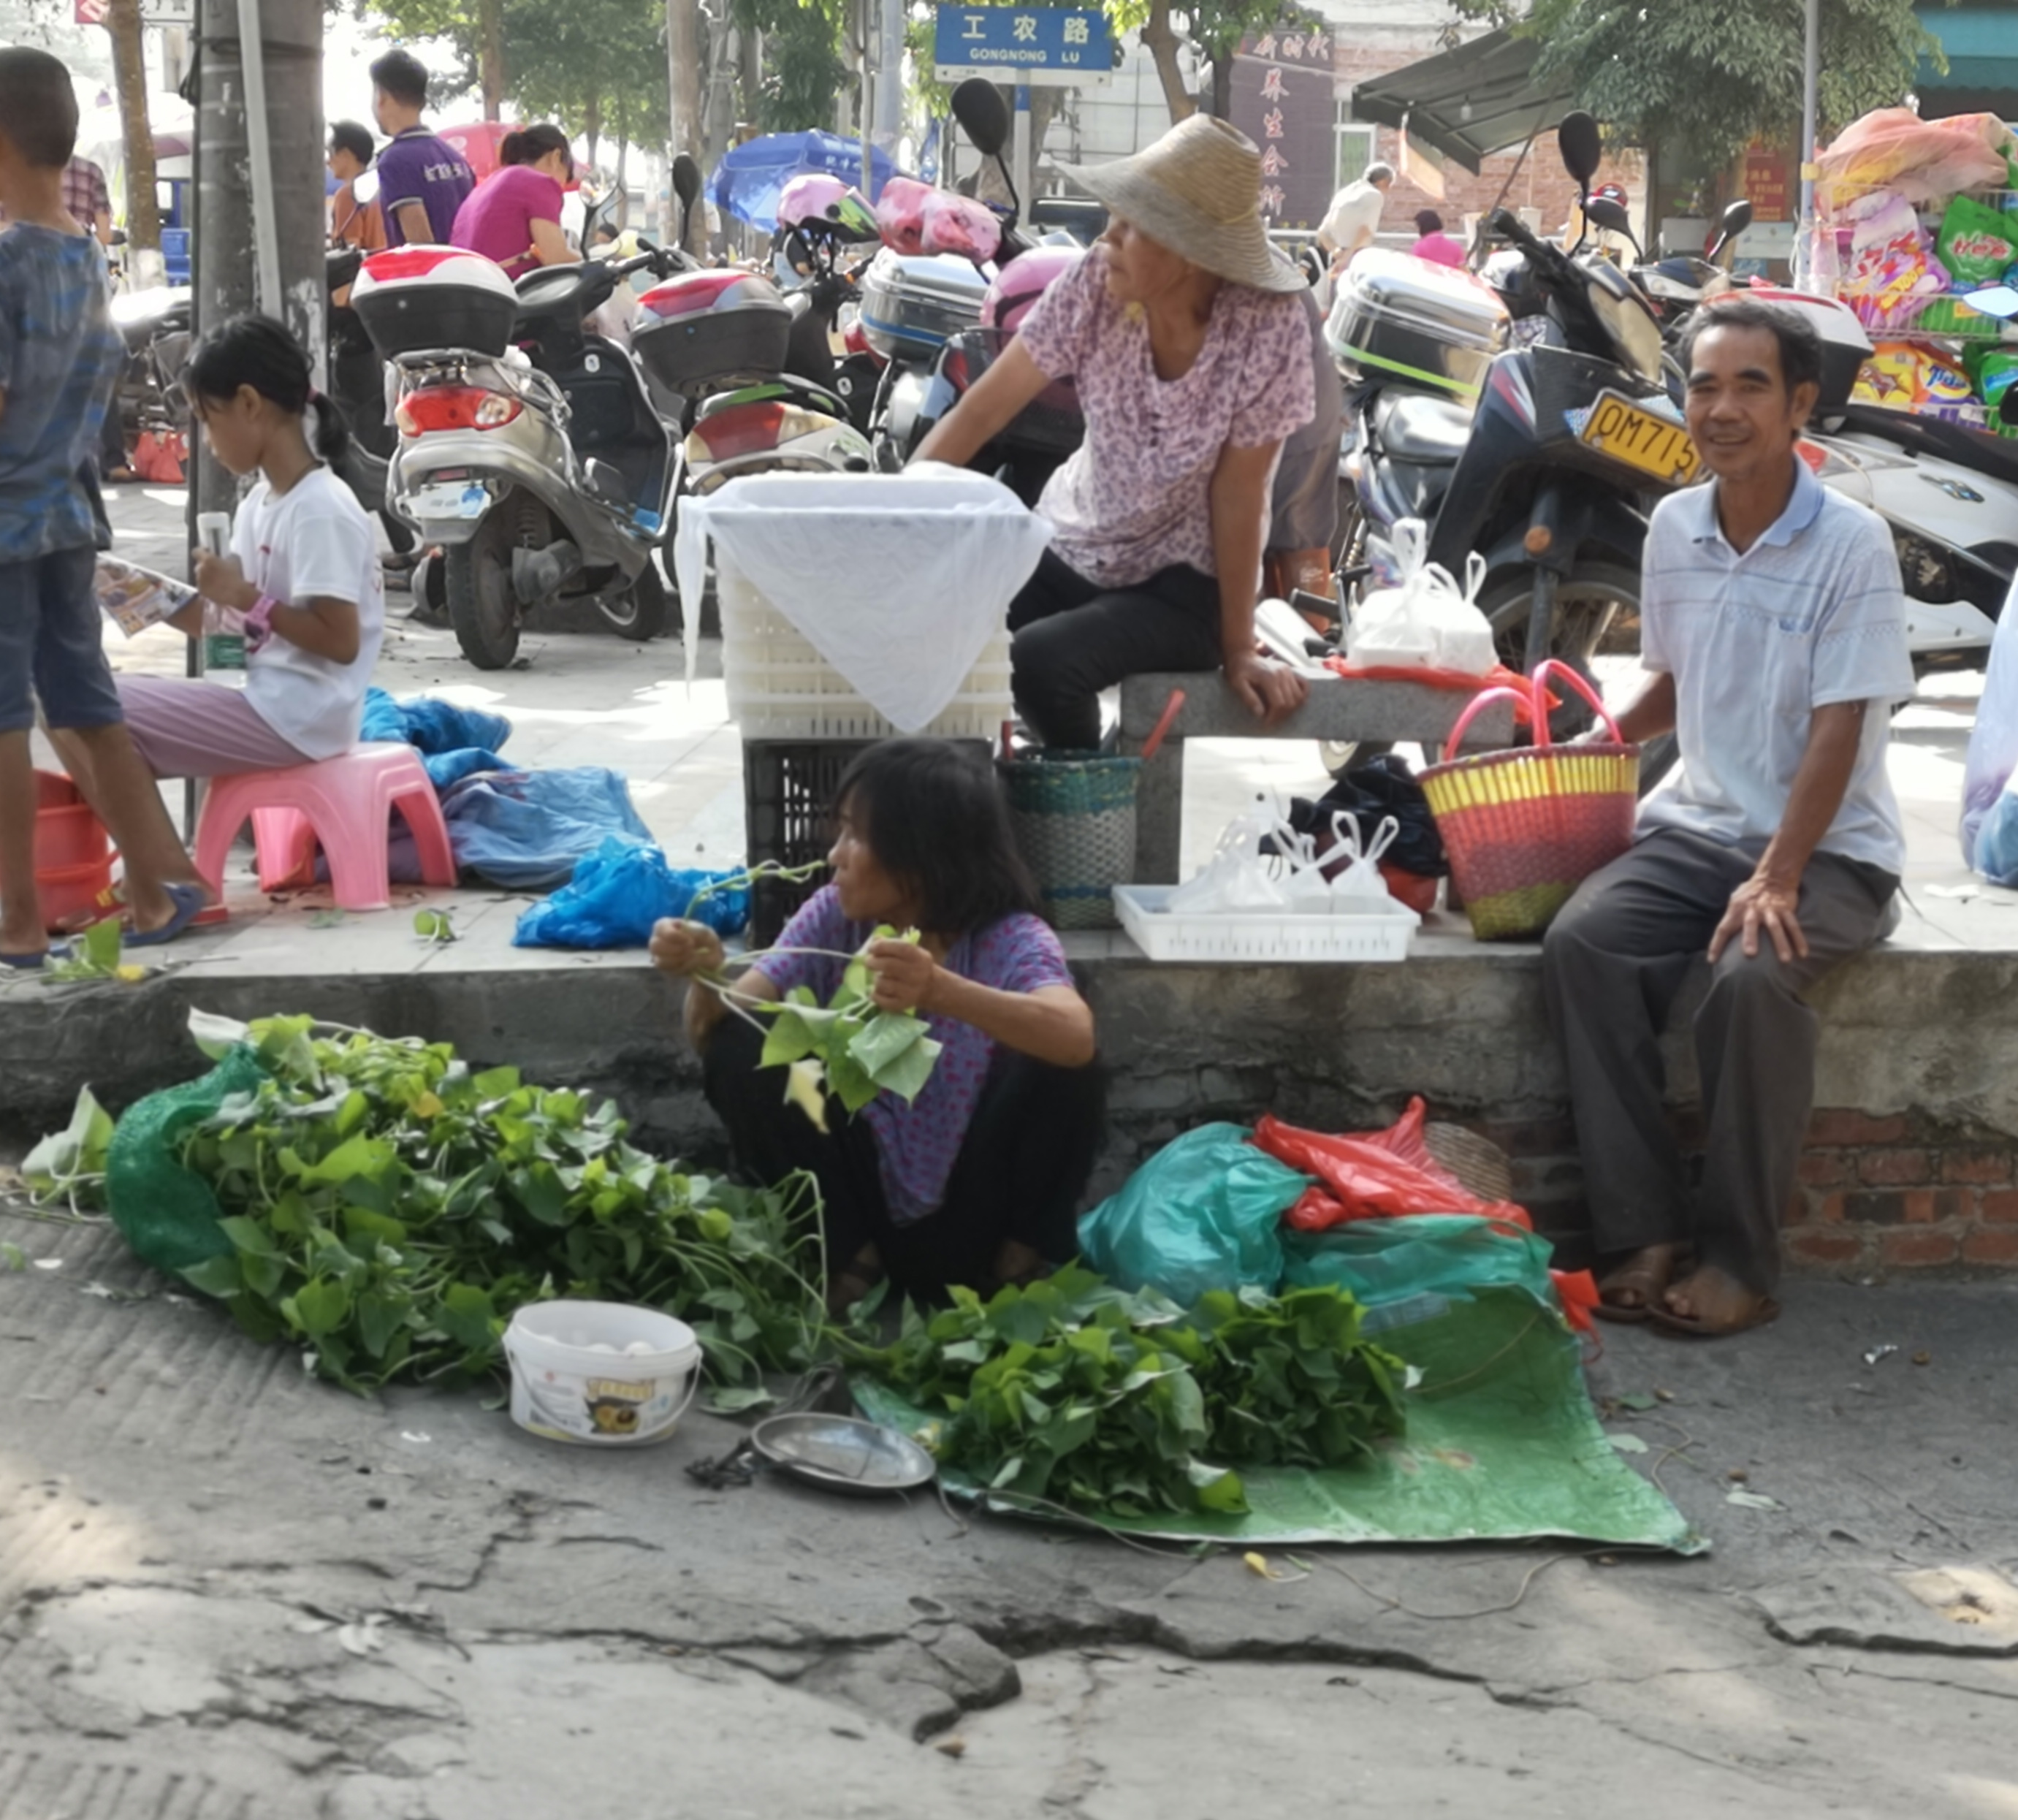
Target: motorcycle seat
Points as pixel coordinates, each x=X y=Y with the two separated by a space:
x=1413 y=427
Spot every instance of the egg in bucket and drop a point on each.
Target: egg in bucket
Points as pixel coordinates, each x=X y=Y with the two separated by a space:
x=602 y=1373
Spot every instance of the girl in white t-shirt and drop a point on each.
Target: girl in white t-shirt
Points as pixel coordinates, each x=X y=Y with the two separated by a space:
x=302 y=583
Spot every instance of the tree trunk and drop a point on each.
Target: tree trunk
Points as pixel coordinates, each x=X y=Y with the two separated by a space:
x=1161 y=42
x=591 y=124
x=129 y=68
x=683 y=129
x=490 y=55
x=750 y=42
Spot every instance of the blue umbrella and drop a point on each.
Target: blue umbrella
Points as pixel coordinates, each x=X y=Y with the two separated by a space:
x=747 y=183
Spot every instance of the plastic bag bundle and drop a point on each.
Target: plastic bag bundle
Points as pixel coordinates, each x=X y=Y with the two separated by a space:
x=167 y=1213
x=1263 y=866
x=1381 y=1174
x=1925 y=160
x=1204 y=1213
x=615 y=895
x=914 y=217
x=1989 y=813
x=1428 y=621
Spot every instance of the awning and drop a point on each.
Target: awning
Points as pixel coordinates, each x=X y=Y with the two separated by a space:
x=1469 y=102
x=1981 y=42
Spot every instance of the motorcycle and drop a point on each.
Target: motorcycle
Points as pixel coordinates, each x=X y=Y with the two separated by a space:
x=530 y=448
x=1552 y=475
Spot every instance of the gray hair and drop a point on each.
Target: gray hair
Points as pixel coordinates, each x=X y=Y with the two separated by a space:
x=1377 y=172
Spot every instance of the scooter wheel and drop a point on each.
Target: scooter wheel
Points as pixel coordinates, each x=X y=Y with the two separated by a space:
x=639 y=612
x=481 y=606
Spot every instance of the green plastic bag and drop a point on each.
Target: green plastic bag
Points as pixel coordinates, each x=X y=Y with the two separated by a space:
x=1993 y=368
x=1977 y=243
x=167 y=1213
x=1453 y=1257
x=1204 y=1213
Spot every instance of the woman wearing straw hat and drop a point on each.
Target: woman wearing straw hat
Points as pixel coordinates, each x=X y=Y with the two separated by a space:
x=1192 y=357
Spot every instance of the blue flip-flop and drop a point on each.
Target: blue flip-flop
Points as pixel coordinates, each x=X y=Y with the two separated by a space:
x=189 y=902
x=34 y=963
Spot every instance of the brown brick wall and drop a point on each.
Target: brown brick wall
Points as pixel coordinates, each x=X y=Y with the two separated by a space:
x=1876 y=1194
x=1539 y=182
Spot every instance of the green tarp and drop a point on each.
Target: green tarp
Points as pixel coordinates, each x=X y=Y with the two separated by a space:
x=1503 y=1444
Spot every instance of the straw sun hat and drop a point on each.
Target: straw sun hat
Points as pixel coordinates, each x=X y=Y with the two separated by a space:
x=1197 y=191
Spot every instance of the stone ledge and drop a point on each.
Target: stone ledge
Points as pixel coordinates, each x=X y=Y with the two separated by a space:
x=1912 y=1161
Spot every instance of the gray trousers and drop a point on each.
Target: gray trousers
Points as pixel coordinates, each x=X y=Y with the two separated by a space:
x=1613 y=963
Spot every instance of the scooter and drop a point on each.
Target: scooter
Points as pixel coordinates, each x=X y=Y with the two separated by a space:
x=1551 y=477
x=531 y=449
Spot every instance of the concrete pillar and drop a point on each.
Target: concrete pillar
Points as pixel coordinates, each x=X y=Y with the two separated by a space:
x=226 y=261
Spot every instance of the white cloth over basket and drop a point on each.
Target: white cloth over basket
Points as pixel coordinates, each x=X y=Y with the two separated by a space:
x=898 y=580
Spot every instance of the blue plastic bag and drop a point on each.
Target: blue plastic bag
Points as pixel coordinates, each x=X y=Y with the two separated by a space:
x=617 y=893
x=527 y=830
x=1204 y=1213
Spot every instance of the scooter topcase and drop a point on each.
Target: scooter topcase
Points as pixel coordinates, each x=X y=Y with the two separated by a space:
x=413 y=299
x=1410 y=321
x=911 y=305
x=706 y=331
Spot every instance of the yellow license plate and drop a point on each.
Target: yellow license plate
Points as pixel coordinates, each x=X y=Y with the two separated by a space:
x=1654 y=445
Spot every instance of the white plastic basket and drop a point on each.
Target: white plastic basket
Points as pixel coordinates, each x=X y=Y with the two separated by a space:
x=781 y=688
x=1164 y=936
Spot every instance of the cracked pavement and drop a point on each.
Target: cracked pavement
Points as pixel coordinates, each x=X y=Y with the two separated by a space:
x=228 y=1591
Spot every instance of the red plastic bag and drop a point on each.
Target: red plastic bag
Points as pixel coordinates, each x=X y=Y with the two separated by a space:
x=1374 y=1174
x=1500 y=677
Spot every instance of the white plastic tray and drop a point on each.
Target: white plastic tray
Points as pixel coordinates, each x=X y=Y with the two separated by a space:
x=1164 y=936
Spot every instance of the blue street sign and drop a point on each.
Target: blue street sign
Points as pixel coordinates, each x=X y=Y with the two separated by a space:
x=1049 y=45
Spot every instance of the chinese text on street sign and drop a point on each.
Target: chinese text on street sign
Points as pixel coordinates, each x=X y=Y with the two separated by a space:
x=1051 y=46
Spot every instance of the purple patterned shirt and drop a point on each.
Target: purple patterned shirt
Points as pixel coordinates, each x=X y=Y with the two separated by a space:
x=1136 y=496
x=919 y=1144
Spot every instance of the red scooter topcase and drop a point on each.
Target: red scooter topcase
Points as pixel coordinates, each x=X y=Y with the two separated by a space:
x=703 y=332
x=417 y=299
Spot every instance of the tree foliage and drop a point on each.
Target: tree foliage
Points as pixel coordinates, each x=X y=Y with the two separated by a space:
x=803 y=70
x=1709 y=76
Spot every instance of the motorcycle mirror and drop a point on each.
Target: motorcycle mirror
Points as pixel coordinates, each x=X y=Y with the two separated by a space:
x=977 y=105
x=1578 y=141
x=686 y=186
x=1737 y=217
x=1609 y=215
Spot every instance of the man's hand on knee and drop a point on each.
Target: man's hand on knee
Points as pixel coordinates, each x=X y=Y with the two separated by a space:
x=1765 y=904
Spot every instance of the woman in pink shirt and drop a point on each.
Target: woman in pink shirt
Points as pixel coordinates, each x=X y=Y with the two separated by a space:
x=1435 y=244
x=513 y=216
x=1191 y=352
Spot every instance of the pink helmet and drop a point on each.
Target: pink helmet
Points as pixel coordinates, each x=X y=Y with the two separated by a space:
x=1022 y=281
x=808 y=196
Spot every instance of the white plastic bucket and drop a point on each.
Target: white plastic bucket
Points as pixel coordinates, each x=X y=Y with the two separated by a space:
x=602 y=1373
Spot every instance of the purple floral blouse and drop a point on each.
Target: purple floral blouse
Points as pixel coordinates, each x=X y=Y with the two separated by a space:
x=918 y=1144
x=1136 y=496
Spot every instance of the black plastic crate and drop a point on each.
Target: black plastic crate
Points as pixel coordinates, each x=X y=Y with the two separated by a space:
x=788 y=791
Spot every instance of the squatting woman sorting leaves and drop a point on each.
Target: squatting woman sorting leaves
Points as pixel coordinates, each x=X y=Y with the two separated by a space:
x=976 y=1181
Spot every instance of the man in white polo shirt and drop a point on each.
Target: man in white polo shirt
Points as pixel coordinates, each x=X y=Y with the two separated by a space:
x=1774 y=623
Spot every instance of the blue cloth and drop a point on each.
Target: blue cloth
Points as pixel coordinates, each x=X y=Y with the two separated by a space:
x=59 y=358
x=526 y=829
x=747 y=181
x=433 y=726
x=618 y=892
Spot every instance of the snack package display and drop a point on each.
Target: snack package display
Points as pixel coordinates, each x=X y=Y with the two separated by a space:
x=135 y=598
x=1993 y=369
x=1977 y=244
x=1890 y=257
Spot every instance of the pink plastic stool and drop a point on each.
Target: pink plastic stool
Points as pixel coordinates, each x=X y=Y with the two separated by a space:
x=342 y=803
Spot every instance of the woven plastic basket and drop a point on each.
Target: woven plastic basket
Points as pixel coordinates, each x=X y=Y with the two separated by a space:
x=1074 y=815
x=1524 y=828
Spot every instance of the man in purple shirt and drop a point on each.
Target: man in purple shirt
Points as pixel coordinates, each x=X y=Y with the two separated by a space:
x=421 y=181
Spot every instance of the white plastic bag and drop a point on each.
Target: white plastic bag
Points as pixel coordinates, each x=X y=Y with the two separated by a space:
x=1426 y=623
x=1236 y=878
x=1359 y=890
x=1993 y=742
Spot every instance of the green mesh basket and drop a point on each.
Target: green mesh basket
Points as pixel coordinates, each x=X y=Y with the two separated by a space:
x=1074 y=818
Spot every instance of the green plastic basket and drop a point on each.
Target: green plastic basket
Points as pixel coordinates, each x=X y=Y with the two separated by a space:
x=1074 y=814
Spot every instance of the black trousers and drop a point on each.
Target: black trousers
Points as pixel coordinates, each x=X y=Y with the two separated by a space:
x=1613 y=963
x=1026 y=1163
x=1074 y=638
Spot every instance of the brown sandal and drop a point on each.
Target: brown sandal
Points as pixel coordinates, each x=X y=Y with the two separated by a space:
x=1647 y=1279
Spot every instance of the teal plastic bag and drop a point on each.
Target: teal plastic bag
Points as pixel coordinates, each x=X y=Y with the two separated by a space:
x=1450 y=1256
x=1204 y=1213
